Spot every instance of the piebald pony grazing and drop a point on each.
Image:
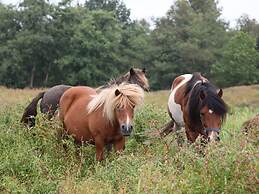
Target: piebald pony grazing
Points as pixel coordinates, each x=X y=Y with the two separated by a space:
x=100 y=118
x=197 y=105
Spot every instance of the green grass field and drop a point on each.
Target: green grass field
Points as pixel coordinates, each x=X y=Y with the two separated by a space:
x=35 y=161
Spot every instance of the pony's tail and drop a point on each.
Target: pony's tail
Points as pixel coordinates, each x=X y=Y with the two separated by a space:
x=30 y=112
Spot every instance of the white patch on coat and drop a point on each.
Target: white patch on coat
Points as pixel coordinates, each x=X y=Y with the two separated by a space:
x=210 y=111
x=174 y=108
x=197 y=83
x=204 y=80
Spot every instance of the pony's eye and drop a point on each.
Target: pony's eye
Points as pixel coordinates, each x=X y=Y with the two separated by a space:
x=202 y=114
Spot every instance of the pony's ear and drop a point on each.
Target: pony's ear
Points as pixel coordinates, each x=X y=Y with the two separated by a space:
x=117 y=92
x=132 y=72
x=220 y=93
x=202 y=95
x=144 y=70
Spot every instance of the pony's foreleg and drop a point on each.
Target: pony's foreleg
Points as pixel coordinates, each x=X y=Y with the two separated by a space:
x=120 y=145
x=108 y=147
x=191 y=135
x=99 y=144
x=171 y=126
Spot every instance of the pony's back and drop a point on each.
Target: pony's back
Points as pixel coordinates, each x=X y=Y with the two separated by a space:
x=73 y=96
x=50 y=101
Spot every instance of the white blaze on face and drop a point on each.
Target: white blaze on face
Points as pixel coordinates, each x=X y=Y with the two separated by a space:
x=128 y=120
x=210 y=111
x=213 y=135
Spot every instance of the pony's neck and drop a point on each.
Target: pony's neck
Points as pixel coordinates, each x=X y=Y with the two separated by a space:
x=122 y=78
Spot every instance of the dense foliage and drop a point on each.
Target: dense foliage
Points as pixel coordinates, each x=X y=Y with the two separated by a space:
x=240 y=62
x=43 y=44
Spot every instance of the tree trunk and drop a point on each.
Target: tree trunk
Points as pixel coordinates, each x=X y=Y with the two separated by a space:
x=47 y=76
x=32 y=76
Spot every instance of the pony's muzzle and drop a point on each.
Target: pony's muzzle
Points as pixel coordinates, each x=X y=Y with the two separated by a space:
x=216 y=139
x=126 y=129
x=213 y=135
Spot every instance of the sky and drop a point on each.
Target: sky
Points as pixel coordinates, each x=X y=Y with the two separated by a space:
x=231 y=9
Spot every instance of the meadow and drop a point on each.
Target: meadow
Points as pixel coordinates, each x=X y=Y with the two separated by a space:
x=34 y=160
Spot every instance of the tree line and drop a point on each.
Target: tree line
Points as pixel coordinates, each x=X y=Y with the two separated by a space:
x=44 y=44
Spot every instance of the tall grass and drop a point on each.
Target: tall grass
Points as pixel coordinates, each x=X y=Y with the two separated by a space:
x=42 y=160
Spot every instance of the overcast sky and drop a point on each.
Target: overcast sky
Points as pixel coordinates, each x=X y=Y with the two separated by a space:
x=232 y=9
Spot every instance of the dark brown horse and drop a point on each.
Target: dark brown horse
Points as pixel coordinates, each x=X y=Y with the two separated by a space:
x=100 y=118
x=197 y=105
x=134 y=76
x=51 y=97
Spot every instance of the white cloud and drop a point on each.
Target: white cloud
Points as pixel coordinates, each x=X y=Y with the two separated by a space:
x=148 y=8
x=233 y=9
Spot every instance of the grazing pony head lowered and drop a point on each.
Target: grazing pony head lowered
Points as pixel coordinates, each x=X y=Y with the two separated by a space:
x=206 y=108
x=117 y=104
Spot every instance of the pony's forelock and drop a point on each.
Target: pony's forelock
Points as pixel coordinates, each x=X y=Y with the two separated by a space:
x=130 y=95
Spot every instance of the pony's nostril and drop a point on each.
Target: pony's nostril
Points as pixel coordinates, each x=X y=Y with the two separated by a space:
x=130 y=127
x=123 y=127
x=210 y=139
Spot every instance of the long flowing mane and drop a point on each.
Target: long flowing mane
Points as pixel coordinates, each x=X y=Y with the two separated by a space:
x=130 y=94
x=194 y=88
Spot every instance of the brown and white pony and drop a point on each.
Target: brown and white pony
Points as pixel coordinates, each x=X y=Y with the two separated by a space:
x=51 y=97
x=197 y=105
x=100 y=118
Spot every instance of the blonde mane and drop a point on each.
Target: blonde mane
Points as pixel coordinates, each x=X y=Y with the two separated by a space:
x=130 y=94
